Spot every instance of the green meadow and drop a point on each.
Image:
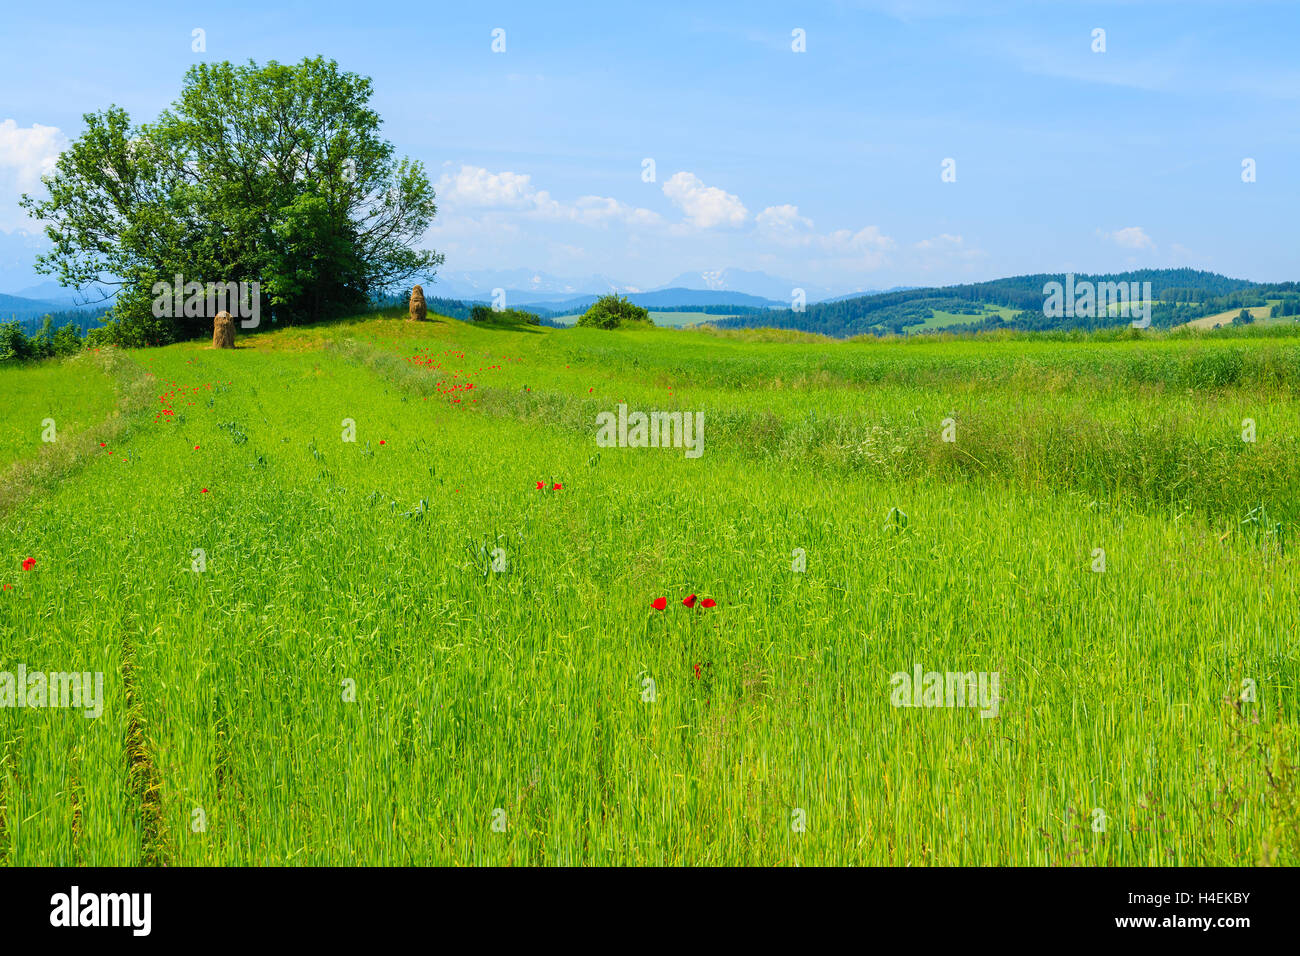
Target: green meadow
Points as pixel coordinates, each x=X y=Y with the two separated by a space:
x=398 y=649
x=941 y=319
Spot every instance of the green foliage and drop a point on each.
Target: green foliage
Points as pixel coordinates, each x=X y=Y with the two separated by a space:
x=611 y=311
x=273 y=174
x=46 y=342
x=483 y=313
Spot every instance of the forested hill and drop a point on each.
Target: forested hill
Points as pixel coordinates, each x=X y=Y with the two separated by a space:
x=1017 y=302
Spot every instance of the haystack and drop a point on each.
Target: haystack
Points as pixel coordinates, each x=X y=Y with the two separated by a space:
x=417 y=310
x=223 y=331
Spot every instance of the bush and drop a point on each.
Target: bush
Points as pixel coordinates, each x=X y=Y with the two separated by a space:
x=17 y=346
x=611 y=311
x=67 y=341
x=482 y=313
x=13 y=343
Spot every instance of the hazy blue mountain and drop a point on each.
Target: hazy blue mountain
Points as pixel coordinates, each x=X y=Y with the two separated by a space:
x=51 y=291
x=753 y=283
x=663 y=300
x=19 y=307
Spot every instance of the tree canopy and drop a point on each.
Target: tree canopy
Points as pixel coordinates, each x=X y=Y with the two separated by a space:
x=272 y=174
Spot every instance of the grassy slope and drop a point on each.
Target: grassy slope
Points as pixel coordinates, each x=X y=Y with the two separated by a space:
x=941 y=319
x=331 y=562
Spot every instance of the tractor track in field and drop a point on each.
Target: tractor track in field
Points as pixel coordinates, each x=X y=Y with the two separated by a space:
x=142 y=773
x=4 y=822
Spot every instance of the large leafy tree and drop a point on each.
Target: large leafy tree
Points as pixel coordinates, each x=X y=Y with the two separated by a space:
x=275 y=174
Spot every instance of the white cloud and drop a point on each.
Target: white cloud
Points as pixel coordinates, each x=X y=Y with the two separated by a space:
x=496 y=216
x=596 y=209
x=1130 y=237
x=473 y=187
x=867 y=240
x=865 y=248
x=704 y=206
x=940 y=242
x=26 y=154
x=783 y=224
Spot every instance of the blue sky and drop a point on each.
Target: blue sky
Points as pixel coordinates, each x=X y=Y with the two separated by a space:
x=823 y=167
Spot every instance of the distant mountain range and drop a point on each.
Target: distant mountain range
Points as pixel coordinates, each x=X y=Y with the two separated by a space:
x=31 y=304
x=18 y=307
x=1178 y=296
x=525 y=287
x=64 y=298
x=666 y=300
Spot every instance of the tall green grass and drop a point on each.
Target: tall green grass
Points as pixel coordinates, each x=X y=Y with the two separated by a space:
x=522 y=697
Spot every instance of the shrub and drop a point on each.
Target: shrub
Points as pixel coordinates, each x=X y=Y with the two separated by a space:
x=611 y=311
x=17 y=346
x=482 y=313
x=13 y=343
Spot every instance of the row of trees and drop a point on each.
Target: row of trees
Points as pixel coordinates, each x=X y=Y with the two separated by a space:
x=46 y=342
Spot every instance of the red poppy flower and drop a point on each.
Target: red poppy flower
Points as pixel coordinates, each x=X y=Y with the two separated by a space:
x=708 y=602
x=557 y=486
x=103 y=444
x=29 y=563
x=539 y=486
x=203 y=491
x=690 y=601
x=697 y=671
x=9 y=587
x=381 y=441
x=196 y=447
x=659 y=603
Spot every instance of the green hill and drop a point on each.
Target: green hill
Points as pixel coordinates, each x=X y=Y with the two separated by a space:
x=1180 y=295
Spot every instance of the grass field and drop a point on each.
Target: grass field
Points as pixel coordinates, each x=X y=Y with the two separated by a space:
x=941 y=320
x=399 y=649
